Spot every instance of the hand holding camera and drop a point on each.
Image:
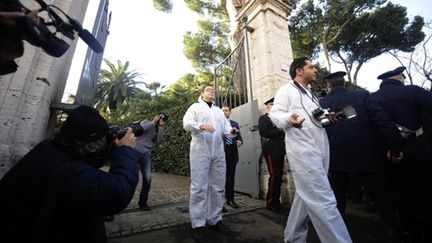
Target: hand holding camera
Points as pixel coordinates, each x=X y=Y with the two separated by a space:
x=160 y=119
x=128 y=139
x=327 y=117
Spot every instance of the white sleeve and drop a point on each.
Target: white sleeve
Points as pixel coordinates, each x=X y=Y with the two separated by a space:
x=280 y=112
x=190 y=121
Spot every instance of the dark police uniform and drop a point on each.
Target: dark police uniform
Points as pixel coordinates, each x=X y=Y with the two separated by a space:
x=273 y=150
x=413 y=175
x=359 y=147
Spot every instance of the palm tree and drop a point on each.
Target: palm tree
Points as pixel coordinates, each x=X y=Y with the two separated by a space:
x=153 y=87
x=115 y=85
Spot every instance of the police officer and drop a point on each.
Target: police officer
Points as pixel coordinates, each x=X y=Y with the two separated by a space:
x=405 y=105
x=273 y=150
x=356 y=147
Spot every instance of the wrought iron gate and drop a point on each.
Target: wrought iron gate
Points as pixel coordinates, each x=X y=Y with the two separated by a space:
x=233 y=88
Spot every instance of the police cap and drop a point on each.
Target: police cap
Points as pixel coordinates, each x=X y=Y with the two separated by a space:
x=269 y=101
x=335 y=75
x=392 y=73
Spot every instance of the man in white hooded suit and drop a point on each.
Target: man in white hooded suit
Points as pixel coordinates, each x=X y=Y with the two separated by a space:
x=307 y=149
x=208 y=125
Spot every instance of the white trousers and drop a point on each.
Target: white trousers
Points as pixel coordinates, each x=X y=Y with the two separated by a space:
x=314 y=201
x=207 y=189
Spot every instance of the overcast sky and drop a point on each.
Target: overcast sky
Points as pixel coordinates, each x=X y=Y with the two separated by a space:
x=152 y=41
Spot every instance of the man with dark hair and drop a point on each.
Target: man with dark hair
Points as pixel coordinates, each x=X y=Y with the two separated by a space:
x=231 y=146
x=405 y=105
x=359 y=147
x=57 y=193
x=308 y=153
x=273 y=150
x=153 y=133
x=208 y=126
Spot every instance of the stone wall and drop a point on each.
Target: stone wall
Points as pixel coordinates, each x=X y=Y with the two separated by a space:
x=25 y=96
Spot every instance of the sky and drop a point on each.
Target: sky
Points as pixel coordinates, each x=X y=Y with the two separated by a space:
x=152 y=42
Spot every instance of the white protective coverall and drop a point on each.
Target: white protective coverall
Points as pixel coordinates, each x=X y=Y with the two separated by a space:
x=307 y=151
x=207 y=162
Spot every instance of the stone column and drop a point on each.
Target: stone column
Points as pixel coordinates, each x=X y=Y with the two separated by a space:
x=27 y=94
x=269 y=45
x=270 y=56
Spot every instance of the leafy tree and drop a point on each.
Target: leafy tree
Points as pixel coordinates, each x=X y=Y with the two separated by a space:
x=418 y=61
x=316 y=25
x=377 y=32
x=115 y=85
x=352 y=31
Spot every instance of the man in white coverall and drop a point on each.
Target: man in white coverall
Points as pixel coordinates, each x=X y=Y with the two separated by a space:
x=308 y=151
x=207 y=124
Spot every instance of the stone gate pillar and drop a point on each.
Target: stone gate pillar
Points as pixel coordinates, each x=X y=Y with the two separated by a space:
x=270 y=56
x=269 y=45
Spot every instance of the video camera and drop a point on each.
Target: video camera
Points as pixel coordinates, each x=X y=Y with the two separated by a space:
x=323 y=115
x=38 y=33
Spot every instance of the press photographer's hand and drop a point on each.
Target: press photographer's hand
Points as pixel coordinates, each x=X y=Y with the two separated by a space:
x=333 y=117
x=127 y=140
x=296 y=121
x=156 y=120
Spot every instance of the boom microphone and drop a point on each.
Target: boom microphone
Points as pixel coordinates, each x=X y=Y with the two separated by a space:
x=88 y=38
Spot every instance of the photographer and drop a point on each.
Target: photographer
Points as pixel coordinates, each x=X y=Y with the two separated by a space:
x=307 y=150
x=359 y=148
x=57 y=193
x=153 y=133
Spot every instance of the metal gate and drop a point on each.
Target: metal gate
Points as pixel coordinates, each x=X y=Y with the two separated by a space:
x=233 y=88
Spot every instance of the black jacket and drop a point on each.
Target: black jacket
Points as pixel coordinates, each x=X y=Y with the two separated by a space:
x=272 y=138
x=405 y=105
x=359 y=145
x=86 y=196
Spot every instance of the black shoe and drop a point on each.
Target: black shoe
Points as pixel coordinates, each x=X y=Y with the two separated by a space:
x=219 y=226
x=144 y=207
x=109 y=218
x=233 y=204
x=224 y=210
x=199 y=234
x=276 y=209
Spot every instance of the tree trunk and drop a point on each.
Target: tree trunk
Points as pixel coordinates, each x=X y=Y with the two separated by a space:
x=356 y=72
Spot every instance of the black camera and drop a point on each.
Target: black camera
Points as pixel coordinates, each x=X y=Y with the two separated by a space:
x=323 y=115
x=163 y=117
x=118 y=132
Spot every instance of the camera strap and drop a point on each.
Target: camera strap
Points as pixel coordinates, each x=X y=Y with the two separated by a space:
x=304 y=91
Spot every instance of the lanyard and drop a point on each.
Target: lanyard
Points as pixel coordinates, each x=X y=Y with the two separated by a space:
x=303 y=90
